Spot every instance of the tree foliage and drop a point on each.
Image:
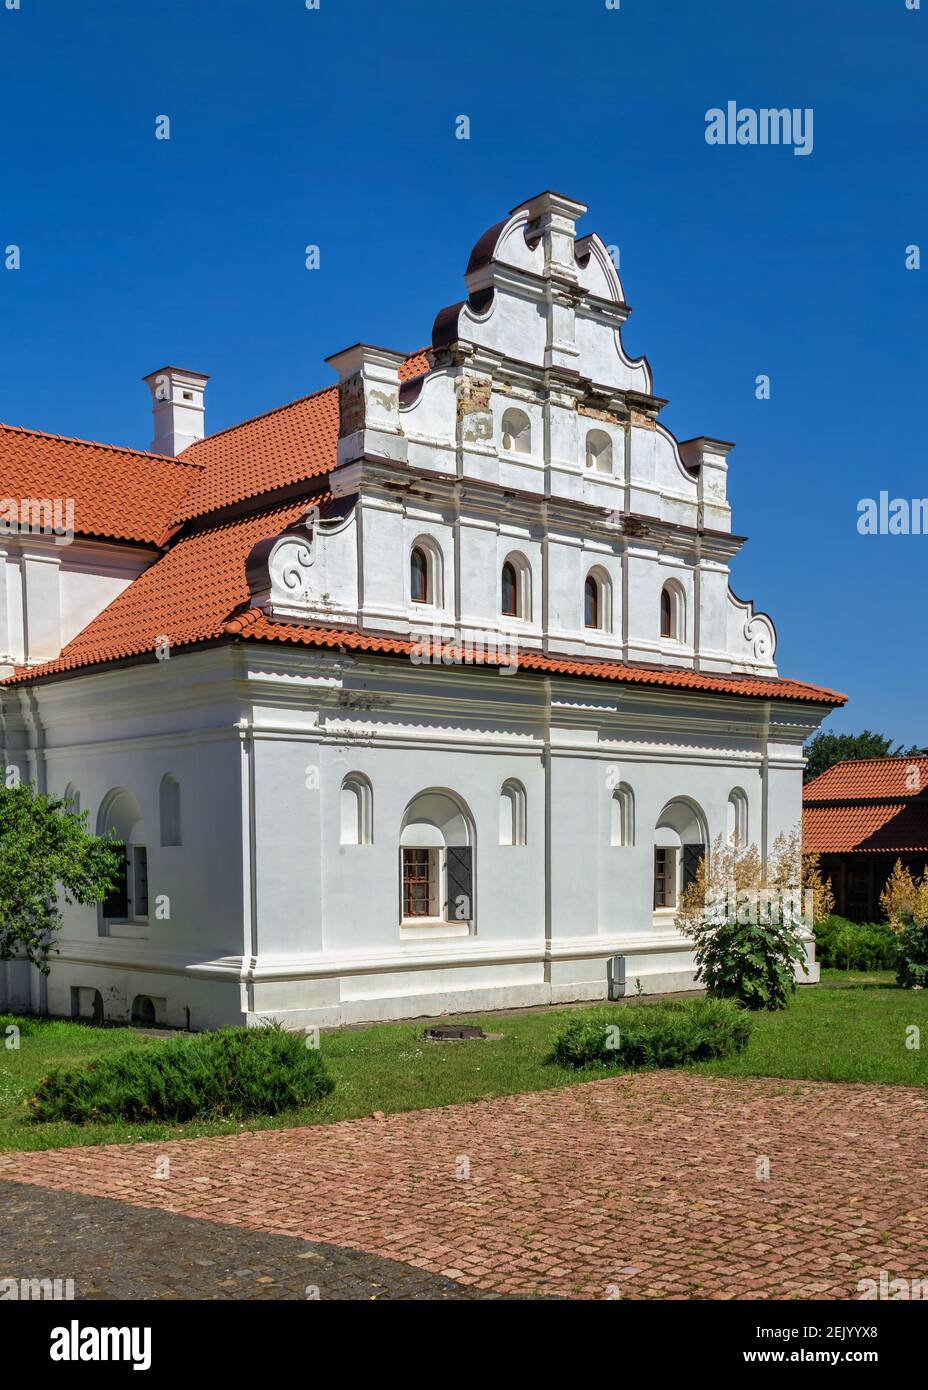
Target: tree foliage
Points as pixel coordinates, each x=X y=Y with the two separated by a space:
x=46 y=858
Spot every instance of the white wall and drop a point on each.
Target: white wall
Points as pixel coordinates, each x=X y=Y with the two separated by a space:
x=50 y=592
x=271 y=915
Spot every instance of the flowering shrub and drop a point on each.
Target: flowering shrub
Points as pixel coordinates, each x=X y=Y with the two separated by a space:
x=747 y=920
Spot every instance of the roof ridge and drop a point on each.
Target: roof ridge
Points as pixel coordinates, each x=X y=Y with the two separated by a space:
x=98 y=444
x=885 y=758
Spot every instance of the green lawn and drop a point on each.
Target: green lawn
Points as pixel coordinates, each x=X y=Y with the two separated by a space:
x=851 y=1028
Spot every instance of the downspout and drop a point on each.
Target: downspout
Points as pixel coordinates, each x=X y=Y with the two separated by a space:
x=35 y=753
x=249 y=862
x=764 y=786
x=549 y=831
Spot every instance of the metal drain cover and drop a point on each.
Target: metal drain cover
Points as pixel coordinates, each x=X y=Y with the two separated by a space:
x=454 y=1032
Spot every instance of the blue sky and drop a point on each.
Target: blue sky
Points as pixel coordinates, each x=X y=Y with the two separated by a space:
x=336 y=127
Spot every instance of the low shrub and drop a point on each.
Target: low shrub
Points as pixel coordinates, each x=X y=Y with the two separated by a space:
x=234 y=1072
x=844 y=945
x=666 y=1034
x=912 y=956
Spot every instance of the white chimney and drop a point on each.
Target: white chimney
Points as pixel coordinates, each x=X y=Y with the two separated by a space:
x=177 y=409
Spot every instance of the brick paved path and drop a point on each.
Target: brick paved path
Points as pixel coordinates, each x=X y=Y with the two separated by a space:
x=645 y=1186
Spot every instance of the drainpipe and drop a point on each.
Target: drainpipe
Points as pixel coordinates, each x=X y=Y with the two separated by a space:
x=249 y=860
x=764 y=786
x=549 y=835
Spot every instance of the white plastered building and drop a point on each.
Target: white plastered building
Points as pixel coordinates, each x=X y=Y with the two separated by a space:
x=425 y=693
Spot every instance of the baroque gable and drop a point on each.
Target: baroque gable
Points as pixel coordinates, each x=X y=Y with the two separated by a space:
x=531 y=438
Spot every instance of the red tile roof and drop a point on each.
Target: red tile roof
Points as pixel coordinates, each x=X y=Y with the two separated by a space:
x=186 y=596
x=118 y=494
x=197 y=592
x=888 y=827
x=274 y=450
x=870 y=805
x=889 y=778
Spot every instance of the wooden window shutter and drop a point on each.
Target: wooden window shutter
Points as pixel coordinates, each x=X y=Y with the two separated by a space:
x=116 y=902
x=693 y=856
x=460 y=868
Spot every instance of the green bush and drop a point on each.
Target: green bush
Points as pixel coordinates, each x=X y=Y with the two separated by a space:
x=912 y=956
x=844 y=945
x=653 y=1035
x=234 y=1072
x=751 y=962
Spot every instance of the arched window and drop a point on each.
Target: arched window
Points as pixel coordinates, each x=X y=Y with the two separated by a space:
x=666 y=613
x=356 y=811
x=597 y=601
x=515 y=588
x=425 y=572
x=419 y=589
x=680 y=840
x=436 y=861
x=738 y=818
x=121 y=820
x=170 y=810
x=72 y=798
x=512 y=813
x=590 y=602
x=673 y=624
x=517 y=432
x=509 y=604
x=622 y=825
x=599 y=451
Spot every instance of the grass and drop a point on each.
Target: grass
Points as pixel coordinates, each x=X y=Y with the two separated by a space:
x=851 y=1028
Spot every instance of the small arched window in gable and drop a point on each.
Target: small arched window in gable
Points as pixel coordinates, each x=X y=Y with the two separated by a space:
x=419 y=588
x=597 y=601
x=666 y=613
x=72 y=798
x=622 y=826
x=590 y=602
x=515 y=588
x=356 y=811
x=512 y=813
x=599 y=451
x=673 y=625
x=425 y=572
x=509 y=603
x=170 y=810
x=516 y=432
x=738 y=818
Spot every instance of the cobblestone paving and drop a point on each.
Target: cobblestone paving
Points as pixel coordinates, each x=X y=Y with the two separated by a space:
x=645 y=1186
x=112 y=1250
